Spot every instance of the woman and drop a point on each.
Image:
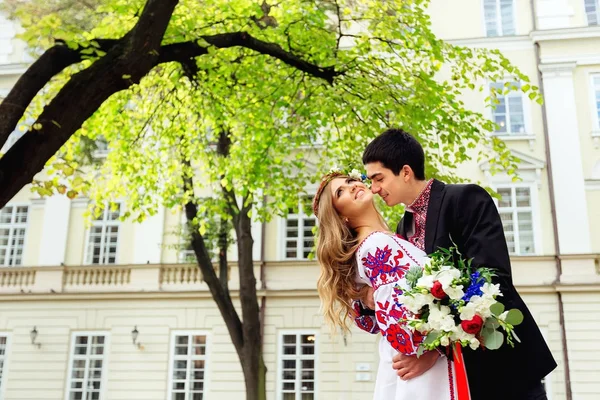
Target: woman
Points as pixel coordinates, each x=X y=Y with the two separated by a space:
x=356 y=250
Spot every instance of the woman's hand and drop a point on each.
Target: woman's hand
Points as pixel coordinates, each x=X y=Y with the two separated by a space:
x=367 y=297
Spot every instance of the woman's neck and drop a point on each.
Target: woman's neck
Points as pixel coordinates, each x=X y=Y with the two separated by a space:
x=366 y=229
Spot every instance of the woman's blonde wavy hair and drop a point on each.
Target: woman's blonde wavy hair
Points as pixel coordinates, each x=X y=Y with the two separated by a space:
x=336 y=246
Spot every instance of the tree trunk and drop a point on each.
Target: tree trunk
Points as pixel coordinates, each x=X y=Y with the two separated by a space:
x=252 y=362
x=127 y=62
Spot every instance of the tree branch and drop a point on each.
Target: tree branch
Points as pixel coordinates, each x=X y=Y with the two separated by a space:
x=186 y=50
x=219 y=294
x=127 y=61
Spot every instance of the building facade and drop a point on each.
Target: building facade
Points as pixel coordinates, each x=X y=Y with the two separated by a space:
x=112 y=311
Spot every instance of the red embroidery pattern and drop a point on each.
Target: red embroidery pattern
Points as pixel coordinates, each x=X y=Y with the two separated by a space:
x=385 y=260
x=451 y=380
x=400 y=339
x=380 y=270
x=364 y=322
x=419 y=210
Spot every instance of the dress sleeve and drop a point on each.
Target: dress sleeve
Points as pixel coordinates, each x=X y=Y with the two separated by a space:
x=364 y=319
x=384 y=260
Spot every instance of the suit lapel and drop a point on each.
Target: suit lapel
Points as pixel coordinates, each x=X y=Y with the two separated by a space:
x=433 y=214
x=404 y=224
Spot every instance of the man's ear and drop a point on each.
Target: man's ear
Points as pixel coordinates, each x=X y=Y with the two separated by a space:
x=406 y=172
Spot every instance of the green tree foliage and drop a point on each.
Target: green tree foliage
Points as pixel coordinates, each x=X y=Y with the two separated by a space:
x=226 y=108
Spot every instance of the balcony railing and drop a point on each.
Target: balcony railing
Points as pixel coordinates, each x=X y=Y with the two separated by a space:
x=531 y=273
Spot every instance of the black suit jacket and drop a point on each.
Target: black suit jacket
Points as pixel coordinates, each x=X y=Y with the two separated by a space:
x=467 y=215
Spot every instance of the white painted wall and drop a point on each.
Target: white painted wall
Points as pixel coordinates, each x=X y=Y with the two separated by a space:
x=565 y=150
x=55 y=228
x=147 y=245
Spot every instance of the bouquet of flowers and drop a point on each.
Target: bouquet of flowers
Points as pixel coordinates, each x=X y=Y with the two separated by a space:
x=453 y=304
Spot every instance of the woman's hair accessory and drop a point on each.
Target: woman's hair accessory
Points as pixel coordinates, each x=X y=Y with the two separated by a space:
x=328 y=177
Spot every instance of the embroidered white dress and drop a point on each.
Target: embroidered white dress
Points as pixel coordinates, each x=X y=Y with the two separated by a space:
x=383 y=260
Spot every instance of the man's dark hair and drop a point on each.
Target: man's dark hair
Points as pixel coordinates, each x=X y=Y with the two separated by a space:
x=394 y=149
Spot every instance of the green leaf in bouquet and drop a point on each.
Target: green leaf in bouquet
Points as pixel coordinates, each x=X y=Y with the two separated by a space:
x=431 y=338
x=413 y=275
x=493 y=340
x=420 y=351
x=514 y=317
x=497 y=309
x=491 y=323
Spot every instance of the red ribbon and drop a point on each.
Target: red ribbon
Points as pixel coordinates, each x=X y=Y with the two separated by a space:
x=462 y=383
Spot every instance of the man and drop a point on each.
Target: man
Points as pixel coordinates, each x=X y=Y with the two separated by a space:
x=437 y=215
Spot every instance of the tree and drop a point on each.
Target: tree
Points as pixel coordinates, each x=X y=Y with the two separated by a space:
x=218 y=106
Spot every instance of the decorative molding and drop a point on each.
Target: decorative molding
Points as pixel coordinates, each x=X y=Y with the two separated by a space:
x=502 y=43
x=80 y=202
x=527 y=163
x=13 y=69
x=557 y=69
x=592 y=184
x=38 y=203
x=586 y=32
x=587 y=59
x=596 y=138
x=530 y=138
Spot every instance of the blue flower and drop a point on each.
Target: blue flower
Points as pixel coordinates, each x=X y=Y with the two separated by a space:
x=474 y=288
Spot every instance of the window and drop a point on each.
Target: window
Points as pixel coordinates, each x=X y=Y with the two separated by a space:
x=299 y=238
x=101 y=150
x=499 y=17
x=188 y=367
x=87 y=367
x=592 y=10
x=3 y=347
x=186 y=251
x=297 y=367
x=516 y=212
x=104 y=238
x=509 y=114
x=13 y=226
x=596 y=94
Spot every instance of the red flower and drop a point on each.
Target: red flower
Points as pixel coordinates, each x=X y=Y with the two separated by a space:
x=399 y=339
x=418 y=337
x=472 y=326
x=437 y=290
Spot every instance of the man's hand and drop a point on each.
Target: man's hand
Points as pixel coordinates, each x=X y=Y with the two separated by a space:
x=367 y=299
x=409 y=367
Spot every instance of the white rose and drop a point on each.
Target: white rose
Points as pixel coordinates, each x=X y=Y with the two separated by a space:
x=455 y=293
x=482 y=306
x=447 y=323
x=426 y=281
x=423 y=327
x=491 y=289
x=414 y=304
x=426 y=261
x=447 y=275
x=468 y=311
x=355 y=174
x=440 y=318
x=474 y=343
x=503 y=316
x=444 y=341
